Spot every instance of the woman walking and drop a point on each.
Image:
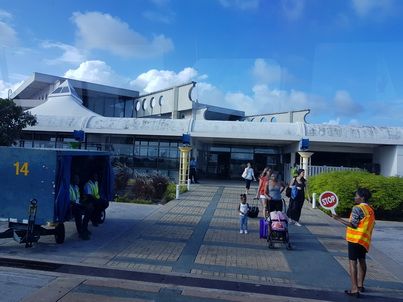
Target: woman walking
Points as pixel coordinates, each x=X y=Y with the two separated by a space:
x=264 y=177
x=273 y=190
x=249 y=176
x=297 y=199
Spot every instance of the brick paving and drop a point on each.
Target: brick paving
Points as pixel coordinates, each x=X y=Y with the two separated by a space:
x=198 y=236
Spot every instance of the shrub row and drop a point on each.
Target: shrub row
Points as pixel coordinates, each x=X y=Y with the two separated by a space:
x=387 y=192
x=145 y=188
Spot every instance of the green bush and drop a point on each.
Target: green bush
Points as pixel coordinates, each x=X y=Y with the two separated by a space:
x=387 y=192
x=170 y=193
x=122 y=175
x=160 y=183
x=127 y=199
x=143 y=188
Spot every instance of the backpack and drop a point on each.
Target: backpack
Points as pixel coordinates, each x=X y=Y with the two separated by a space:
x=288 y=192
x=253 y=211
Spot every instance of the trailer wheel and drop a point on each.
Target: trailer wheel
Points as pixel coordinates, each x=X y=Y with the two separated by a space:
x=102 y=217
x=60 y=233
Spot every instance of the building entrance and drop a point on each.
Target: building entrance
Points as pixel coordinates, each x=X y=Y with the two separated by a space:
x=218 y=164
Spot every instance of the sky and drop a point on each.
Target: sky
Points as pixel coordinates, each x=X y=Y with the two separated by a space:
x=342 y=59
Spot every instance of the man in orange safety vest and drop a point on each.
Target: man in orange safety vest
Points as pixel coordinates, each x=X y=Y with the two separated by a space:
x=358 y=235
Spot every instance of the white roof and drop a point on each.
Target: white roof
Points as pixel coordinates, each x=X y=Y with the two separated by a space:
x=64 y=112
x=63 y=101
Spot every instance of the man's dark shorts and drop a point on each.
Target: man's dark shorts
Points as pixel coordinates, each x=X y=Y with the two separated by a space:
x=356 y=251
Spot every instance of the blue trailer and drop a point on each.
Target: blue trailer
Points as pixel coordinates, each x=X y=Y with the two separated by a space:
x=34 y=188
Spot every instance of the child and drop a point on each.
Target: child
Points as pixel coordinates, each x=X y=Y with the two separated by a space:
x=243 y=210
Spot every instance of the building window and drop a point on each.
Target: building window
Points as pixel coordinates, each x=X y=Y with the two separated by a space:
x=161 y=100
x=138 y=106
x=273 y=120
x=152 y=102
x=145 y=104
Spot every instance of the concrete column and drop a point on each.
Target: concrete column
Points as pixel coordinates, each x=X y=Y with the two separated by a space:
x=184 y=165
x=306 y=160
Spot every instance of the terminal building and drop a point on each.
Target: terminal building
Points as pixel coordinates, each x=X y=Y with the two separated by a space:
x=145 y=131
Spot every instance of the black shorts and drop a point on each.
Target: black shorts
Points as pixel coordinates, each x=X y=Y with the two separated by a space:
x=356 y=251
x=275 y=205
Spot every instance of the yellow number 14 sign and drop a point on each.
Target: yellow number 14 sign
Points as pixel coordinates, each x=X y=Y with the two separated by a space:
x=21 y=169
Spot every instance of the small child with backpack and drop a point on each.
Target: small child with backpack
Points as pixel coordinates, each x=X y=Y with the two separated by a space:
x=243 y=209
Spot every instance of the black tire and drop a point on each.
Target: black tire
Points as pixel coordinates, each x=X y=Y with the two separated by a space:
x=60 y=233
x=102 y=217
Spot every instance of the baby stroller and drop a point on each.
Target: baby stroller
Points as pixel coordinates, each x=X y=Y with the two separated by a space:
x=278 y=228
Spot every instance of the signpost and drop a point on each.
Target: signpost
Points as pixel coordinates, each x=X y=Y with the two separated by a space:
x=329 y=201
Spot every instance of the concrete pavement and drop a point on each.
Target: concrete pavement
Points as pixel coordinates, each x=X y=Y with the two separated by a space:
x=191 y=250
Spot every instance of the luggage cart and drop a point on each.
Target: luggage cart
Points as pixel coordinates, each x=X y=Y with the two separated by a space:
x=35 y=189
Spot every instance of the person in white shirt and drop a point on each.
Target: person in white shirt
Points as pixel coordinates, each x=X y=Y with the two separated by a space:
x=243 y=209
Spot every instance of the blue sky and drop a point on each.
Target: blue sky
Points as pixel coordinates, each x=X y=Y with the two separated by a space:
x=342 y=59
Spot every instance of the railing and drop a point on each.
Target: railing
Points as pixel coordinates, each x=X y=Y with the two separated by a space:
x=315 y=170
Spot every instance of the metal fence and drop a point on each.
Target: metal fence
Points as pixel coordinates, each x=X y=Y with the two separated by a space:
x=315 y=170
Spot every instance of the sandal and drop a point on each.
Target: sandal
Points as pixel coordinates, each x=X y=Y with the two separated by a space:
x=361 y=289
x=356 y=294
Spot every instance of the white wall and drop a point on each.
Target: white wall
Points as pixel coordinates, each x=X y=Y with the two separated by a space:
x=391 y=160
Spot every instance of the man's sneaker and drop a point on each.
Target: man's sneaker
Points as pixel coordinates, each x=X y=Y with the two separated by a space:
x=240 y=232
x=246 y=232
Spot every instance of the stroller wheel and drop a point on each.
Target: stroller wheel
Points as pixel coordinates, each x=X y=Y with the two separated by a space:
x=288 y=246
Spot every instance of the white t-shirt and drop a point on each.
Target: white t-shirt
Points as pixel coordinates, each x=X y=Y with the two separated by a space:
x=243 y=207
x=250 y=174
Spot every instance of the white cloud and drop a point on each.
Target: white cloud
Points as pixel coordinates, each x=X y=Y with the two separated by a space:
x=240 y=4
x=70 y=53
x=97 y=72
x=345 y=105
x=365 y=8
x=154 y=80
x=207 y=93
x=8 y=36
x=102 y=31
x=165 y=17
x=5 y=87
x=269 y=72
x=333 y=122
x=354 y=122
x=293 y=9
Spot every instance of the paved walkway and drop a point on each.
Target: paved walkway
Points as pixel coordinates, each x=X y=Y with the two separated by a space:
x=191 y=250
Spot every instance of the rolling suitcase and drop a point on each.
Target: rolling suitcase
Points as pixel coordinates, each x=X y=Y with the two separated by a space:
x=263 y=228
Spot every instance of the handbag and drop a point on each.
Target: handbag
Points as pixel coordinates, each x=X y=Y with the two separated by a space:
x=253 y=211
x=245 y=173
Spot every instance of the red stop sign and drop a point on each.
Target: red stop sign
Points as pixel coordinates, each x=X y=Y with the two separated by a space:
x=328 y=200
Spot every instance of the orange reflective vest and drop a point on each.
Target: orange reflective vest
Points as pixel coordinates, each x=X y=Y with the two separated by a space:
x=363 y=233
